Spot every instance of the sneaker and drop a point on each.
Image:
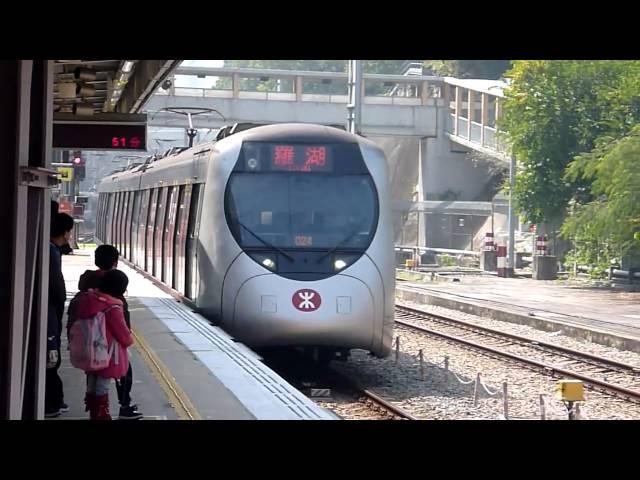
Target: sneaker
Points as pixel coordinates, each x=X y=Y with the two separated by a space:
x=130 y=413
x=52 y=413
x=64 y=408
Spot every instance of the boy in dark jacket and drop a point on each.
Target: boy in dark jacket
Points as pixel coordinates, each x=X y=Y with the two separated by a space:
x=106 y=259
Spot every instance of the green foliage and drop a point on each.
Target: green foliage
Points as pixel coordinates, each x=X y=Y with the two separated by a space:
x=554 y=111
x=334 y=87
x=612 y=218
x=590 y=248
x=487 y=69
x=446 y=260
x=369 y=66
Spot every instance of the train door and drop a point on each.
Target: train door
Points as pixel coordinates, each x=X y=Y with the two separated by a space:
x=161 y=216
x=182 y=222
x=141 y=246
x=151 y=238
x=133 y=234
x=169 y=236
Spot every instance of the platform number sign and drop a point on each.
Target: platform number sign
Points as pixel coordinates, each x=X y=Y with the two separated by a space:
x=126 y=142
x=99 y=136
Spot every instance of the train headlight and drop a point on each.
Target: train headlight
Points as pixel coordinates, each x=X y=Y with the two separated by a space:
x=269 y=263
x=267 y=260
x=340 y=262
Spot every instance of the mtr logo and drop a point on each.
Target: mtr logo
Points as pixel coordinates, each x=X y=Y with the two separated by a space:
x=306 y=300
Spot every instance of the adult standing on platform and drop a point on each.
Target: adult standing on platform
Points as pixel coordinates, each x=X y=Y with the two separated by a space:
x=61 y=226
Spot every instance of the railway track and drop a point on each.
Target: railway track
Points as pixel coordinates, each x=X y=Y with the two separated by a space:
x=381 y=405
x=346 y=397
x=597 y=373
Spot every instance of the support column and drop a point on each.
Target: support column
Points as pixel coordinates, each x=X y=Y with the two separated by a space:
x=354 y=107
x=422 y=187
x=471 y=106
x=235 y=85
x=298 y=88
x=424 y=92
x=511 y=262
x=485 y=116
x=458 y=108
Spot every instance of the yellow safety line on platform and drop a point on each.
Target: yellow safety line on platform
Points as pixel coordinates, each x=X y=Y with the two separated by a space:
x=181 y=402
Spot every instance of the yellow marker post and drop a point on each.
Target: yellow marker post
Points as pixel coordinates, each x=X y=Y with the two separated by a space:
x=570 y=391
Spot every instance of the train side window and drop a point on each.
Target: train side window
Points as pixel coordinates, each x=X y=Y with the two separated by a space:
x=133 y=235
x=126 y=226
x=112 y=218
x=116 y=223
x=98 y=217
x=103 y=213
x=119 y=224
x=108 y=217
x=122 y=211
x=151 y=225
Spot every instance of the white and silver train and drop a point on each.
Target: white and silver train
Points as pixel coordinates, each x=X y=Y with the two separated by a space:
x=280 y=234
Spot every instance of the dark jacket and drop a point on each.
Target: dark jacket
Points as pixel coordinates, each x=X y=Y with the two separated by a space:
x=90 y=279
x=57 y=293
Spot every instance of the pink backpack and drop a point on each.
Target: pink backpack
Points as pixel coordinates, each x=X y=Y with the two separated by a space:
x=88 y=346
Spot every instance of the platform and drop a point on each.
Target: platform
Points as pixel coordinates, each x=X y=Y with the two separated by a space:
x=183 y=367
x=602 y=315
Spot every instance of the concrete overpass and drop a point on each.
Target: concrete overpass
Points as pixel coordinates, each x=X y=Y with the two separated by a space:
x=412 y=110
x=392 y=105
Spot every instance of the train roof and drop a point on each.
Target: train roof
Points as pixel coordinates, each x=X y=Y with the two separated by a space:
x=298 y=133
x=281 y=132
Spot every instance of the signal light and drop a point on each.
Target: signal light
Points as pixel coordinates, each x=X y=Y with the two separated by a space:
x=77 y=160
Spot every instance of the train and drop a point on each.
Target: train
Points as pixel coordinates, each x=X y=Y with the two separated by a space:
x=279 y=234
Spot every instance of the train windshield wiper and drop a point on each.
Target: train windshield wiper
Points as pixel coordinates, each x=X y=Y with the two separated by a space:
x=262 y=240
x=340 y=244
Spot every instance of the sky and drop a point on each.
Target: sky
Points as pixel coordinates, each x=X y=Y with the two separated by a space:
x=195 y=82
x=203 y=63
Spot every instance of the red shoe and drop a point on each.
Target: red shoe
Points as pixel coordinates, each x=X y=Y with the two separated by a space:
x=102 y=408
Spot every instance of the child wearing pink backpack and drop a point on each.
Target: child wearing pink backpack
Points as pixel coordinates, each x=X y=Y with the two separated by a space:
x=99 y=338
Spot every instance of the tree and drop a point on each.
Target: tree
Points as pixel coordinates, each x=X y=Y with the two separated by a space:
x=554 y=111
x=333 y=87
x=608 y=226
x=487 y=69
x=369 y=66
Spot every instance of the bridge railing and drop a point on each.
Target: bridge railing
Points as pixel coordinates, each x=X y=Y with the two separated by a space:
x=470 y=101
x=299 y=86
x=490 y=137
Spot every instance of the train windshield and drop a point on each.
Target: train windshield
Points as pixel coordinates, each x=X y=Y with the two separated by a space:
x=300 y=210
